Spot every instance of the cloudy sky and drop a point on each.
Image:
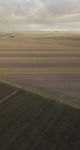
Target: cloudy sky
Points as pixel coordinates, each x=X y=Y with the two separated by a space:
x=39 y=15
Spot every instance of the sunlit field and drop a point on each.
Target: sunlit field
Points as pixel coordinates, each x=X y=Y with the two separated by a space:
x=46 y=62
x=40 y=91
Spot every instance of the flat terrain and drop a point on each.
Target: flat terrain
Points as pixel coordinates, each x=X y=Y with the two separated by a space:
x=31 y=122
x=46 y=63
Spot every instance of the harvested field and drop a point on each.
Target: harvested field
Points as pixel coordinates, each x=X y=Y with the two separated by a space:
x=42 y=110
x=47 y=63
x=29 y=122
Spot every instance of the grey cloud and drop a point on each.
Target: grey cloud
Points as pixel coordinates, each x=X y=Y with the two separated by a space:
x=39 y=11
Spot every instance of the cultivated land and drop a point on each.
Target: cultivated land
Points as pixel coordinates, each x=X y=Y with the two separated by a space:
x=44 y=62
x=47 y=64
x=31 y=122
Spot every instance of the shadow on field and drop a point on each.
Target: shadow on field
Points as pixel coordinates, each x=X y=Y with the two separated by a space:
x=32 y=122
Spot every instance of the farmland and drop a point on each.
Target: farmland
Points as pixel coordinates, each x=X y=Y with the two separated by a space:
x=40 y=91
x=29 y=121
x=47 y=63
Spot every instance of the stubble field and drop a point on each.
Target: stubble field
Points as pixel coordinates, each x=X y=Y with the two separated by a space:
x=29 y=121
x=46 y=63
x=40 y=91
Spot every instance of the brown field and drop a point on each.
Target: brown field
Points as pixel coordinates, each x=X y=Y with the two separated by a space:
x=46 y=63
x=31 y=122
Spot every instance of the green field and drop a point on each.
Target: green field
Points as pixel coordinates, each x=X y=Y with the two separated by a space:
x=32 y=122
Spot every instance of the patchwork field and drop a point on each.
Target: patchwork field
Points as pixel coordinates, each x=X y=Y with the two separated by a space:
x=31 y=122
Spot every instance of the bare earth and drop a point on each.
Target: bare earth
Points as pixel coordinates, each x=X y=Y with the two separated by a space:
x=46 y=63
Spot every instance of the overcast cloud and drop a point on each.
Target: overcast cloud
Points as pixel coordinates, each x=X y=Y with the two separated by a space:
x=40 y=13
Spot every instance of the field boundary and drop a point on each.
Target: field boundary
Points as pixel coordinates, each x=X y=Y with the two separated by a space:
x=56 y=97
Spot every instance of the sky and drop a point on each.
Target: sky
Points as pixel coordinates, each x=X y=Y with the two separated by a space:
x=30 y=15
